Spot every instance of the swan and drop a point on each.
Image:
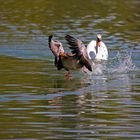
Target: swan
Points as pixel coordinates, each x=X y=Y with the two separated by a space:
x=97 y=50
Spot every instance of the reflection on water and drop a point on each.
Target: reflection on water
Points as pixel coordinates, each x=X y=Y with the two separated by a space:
x=38 y=102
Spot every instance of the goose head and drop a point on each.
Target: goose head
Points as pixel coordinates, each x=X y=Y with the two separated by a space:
x=57 y=47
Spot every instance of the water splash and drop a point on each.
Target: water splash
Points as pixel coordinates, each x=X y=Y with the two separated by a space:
x=121 y=63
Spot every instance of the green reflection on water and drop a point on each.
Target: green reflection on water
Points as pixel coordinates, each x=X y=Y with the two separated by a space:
x=37 y=101
x=43 y=17
x=33 y=76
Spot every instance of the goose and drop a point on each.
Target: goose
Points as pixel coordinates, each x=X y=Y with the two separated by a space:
x=76 y=59
x=97 y=50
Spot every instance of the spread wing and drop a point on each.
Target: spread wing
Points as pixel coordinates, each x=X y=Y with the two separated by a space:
x=78 y=48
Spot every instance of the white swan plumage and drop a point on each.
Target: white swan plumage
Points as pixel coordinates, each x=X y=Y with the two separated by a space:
x=97 y=50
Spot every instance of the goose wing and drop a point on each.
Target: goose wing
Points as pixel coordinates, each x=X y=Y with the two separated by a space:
x=78 y=48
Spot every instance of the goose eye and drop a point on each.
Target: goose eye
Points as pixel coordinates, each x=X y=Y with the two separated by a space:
x=58 y=45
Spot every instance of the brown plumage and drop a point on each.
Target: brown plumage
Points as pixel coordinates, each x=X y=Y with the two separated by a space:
x=74 y=60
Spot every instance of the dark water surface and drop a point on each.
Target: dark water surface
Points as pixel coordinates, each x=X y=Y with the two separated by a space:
x=38 y=102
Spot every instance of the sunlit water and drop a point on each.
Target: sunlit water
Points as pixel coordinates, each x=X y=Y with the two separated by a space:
x=38 y=102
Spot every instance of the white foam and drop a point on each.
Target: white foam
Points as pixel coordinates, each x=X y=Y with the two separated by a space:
x=121 y=63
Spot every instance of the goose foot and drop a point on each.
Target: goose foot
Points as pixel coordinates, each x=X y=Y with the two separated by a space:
x=68 y=76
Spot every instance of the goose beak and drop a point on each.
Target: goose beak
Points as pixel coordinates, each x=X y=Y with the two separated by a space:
x=62 y=54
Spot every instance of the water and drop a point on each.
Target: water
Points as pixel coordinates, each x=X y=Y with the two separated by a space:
x=38 y=102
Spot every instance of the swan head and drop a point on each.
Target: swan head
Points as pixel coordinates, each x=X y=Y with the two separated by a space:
x=99 y=37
